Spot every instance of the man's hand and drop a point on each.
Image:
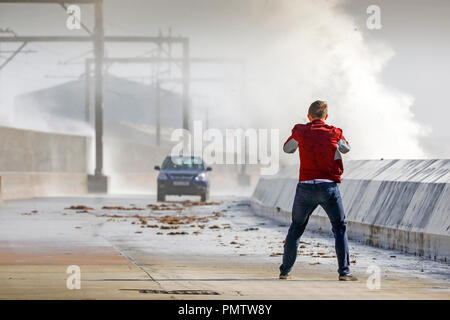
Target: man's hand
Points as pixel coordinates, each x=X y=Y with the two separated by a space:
x=343 y=146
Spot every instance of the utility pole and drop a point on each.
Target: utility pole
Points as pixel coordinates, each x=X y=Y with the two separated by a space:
x=87 y=93
x=185 y=81
x=99 y=55
x=158 y=95
x=158 y=112
x=243 y=176
x=185 y=69
x=186 y=86
x=207 y=118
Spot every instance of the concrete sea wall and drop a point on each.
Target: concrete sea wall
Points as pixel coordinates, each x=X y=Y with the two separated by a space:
x=33 y=151
x=396 y=204
x=36 y=164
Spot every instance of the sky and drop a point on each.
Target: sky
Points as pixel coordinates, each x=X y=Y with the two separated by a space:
x=384 y=87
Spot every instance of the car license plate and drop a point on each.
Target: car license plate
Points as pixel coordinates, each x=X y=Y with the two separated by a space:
x=181 y=183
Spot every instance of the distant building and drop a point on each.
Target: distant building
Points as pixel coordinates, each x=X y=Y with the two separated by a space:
x=129 y=108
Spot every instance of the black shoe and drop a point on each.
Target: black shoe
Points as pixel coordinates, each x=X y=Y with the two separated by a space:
x=285 y=276
x=347 y=277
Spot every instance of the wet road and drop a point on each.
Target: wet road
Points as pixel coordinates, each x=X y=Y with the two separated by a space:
x=133 y=248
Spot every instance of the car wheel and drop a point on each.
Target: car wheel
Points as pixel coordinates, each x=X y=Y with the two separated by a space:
x=204 y=196
x=160 y=196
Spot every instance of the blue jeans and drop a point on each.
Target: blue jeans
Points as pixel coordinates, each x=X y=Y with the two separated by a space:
x=307 y=198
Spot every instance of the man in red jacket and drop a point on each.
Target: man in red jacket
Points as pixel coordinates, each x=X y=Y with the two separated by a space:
x=320 y=146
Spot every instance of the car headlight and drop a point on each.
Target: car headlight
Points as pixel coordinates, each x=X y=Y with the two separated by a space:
x=201 y=177
x=162 y=176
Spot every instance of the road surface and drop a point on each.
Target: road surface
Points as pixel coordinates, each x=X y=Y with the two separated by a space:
x=184 y=250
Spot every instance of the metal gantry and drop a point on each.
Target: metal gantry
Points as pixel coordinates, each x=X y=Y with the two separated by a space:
x=185 y=79
x=98 y=39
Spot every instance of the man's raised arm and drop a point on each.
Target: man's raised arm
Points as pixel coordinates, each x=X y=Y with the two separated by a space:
x=291 y=144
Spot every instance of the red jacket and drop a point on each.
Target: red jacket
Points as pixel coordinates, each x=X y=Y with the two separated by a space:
x=320 y=146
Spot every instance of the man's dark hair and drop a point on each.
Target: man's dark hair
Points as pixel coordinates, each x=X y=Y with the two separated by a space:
x=318 y=109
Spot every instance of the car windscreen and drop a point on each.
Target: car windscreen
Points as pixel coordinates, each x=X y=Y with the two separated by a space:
x=181 y=163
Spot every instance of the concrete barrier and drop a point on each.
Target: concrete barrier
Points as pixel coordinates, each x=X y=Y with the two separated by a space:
x=40 y=164
x=396 y=204
x=33 y=151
